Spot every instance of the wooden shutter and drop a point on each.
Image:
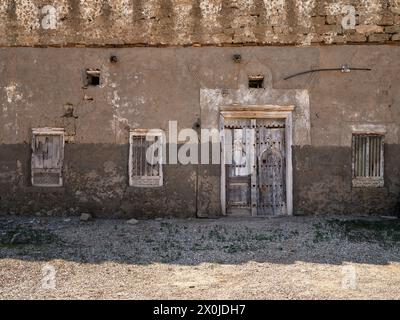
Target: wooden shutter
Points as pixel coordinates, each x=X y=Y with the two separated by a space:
x=47 y=157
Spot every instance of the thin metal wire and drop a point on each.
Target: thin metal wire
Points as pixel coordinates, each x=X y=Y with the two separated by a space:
x=342 y=69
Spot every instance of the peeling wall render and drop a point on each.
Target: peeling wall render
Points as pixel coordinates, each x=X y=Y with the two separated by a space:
x=157 y=61
x=147 y=87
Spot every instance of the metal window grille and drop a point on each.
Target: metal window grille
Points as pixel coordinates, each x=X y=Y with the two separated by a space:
x=368 y=162
x=145 y=159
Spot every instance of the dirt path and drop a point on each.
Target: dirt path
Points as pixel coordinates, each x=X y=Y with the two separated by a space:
x=285 y=258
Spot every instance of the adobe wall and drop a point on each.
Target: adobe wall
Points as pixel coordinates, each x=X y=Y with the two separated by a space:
x=147 y=87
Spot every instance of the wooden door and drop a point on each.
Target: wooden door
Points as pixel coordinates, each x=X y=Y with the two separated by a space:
x=271 y=163
x=239 y=141
x=255 y=167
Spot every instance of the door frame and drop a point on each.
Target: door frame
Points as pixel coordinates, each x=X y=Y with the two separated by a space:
x=260 y=112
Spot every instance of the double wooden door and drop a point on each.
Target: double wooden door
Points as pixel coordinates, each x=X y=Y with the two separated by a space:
x=255 y=167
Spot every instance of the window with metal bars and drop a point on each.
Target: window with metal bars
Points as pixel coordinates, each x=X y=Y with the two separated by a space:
x=368 y=160
x=145 y=158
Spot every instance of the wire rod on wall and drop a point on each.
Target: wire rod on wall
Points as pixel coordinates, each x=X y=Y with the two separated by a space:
x=343 y=69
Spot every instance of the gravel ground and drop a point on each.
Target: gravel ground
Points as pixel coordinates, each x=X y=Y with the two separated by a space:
x=280 y=258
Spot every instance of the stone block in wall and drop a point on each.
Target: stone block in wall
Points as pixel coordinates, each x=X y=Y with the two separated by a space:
x=320 y=8
x=281 y=29
x=379 y=37
x=356 y=37
x=315 y=37
x=332 y=20
x=392 y=29
x=286 y=39
x=386 y=20
x=369 y=29
x=396 y=37
x=329 y=29
x=395 y=9
x=340 y=39
x=318 y=21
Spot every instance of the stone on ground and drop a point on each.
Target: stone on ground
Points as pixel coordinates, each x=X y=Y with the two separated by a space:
x=132 y=221
x=86 y=216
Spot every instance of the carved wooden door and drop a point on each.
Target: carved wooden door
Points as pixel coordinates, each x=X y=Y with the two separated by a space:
x=239 y=141
x=255 y=167
x=271 y=173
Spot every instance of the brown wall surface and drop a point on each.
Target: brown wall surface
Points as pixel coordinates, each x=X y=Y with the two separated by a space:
x=147 y=87
x=197 y=22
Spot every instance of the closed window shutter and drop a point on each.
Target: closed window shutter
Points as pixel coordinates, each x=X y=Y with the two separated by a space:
x=47 y=158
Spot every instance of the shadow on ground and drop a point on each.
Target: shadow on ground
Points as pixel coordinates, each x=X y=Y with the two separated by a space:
x=327 y=240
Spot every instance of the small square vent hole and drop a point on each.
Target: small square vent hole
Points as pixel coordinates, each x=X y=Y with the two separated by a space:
x=256 y=82
x=93 y=77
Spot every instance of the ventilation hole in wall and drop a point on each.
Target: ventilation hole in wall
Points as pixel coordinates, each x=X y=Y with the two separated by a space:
x=92 y=77
x=256 y=82
x=113 y=59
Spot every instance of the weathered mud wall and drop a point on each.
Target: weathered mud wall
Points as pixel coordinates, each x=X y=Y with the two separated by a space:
x=147 y=87
x=197 y=22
